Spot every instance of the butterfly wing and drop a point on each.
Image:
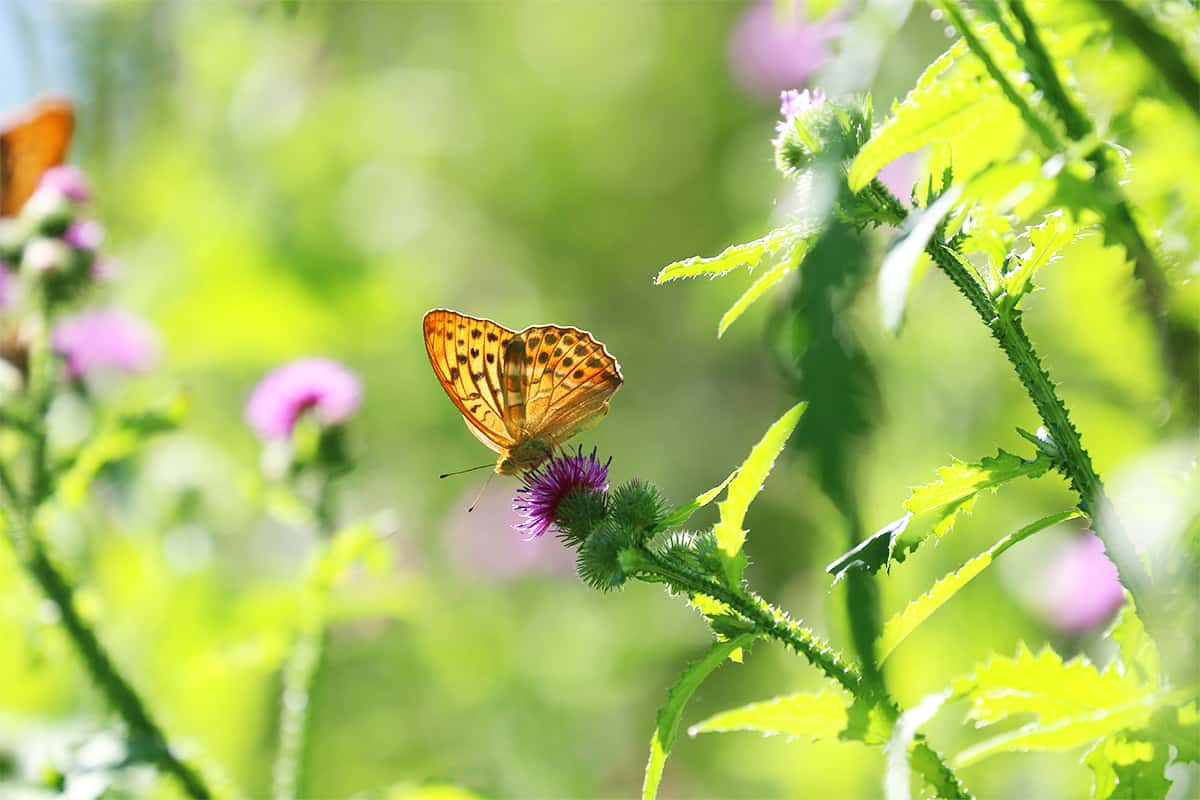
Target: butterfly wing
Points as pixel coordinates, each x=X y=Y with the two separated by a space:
x=567 y=380
x=467 y=355
x=31 y=146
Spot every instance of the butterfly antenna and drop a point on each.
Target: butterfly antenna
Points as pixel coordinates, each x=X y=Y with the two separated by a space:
x=479 y=496
x=463 y=471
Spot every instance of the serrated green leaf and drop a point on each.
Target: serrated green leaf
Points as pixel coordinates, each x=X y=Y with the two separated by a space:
x=1178 y=728
x=683 y=513
x=935 y=507
x=814 y=716
x=118 y=439
x=1138 y=653
x=898 y=628
x=1125 y=768
x=744 y=487
x=952 y=98
x=786 y=265
x=898 y=776
x=748 y=254
x=667 y=726
x=1046 y=241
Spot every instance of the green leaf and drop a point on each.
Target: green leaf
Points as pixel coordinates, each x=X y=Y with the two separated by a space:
x=119 y=439
x=667 y=727
x=952 y=98
x=935 y=507
x=683 y=513
x=749 y=255
x=785 y=266
x=1045 y=242
x=896 y=274
x=897 y=780
x=1125 y=768
x=744 y=487
x=816 y=716
x=1073 y=703
x=1138 y=652
x=898 y=628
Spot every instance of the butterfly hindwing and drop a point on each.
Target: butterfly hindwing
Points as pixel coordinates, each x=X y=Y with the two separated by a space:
x=29 y=147
x=467 y=356
x=570 y=378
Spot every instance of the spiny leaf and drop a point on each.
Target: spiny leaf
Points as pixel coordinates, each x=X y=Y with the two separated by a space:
x=118 y=439
x=667 y=727
x=1045 y=243
x=815 y=716
x=748 y=255
x=898 y=628
x=952 y=97
x=784 y=267
x=1042 y=684
x=746 y=485
x=935 y=507
x=1126 y=768
x=683 y=513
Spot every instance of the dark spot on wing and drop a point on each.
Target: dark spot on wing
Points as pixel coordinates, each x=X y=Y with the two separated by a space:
x=568 y=339
x=492 y=336
x=534 y=340
x=462 y=359
x=543 y=357
x=454 y=373
x=594 y=362
x=474 y=352
x=475 y=334
x=577 y=374
x=568 y=361
x=491 y=358
x=477 y=376
x=580 y=349
x=557 y=352
x=551 y=338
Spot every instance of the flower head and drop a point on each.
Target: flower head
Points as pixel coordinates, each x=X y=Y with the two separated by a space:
x=546 y=487
x=768 y=52
x=68 y=181
x=793 y=103
x=326 y=387
x=105 y=339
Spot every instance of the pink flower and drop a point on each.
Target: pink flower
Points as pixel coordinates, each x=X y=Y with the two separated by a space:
x=326 y=387
x=1081 y=590
x=68 y=181
x=105 y=339
x=769 y=52
x=86 y=234
x=545 y=487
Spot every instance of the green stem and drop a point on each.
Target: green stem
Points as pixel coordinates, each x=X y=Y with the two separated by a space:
x=1074 y=459
x=1157 y=48
x=143 y=729
x=775 y=623
x=1076 y=122
x=303 y=669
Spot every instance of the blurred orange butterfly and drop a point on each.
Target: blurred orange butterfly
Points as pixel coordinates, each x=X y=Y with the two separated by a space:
x=522 y=393
x=30 y=145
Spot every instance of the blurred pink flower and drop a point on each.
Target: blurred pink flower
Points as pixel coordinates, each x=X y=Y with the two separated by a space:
x=1080 y=589
x=321 y=384
x=105 y=339
x=86 y=234
x=5 y=285
x=769 y=52
x=67 y=180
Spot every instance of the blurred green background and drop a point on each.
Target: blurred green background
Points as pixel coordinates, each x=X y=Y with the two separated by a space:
x=297 y=179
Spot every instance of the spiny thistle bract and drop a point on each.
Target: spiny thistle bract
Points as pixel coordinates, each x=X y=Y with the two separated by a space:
x=579 y=512
x=639 y=506
x=599 y=558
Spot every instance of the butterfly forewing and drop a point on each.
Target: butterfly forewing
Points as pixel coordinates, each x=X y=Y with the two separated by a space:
x=29 y=147
x=570 y=378
x=467 y=357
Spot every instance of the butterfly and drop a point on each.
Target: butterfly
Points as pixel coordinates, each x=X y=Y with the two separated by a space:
x=522 y=393
x=29 y=146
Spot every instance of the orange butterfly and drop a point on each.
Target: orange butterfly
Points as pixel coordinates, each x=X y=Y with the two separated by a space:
x=522 y=393
x=30 y=145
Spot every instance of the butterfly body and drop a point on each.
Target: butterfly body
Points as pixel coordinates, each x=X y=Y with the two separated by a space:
x=521 y=393
x=29 y=146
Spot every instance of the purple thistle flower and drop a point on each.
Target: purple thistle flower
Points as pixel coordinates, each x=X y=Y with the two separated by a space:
x=545 y=487
x=85 y=234
x=105 y=339
x=68 y=181
x=321 y=384
x=767 y=52
x=792 y=104
x=1082 y=590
